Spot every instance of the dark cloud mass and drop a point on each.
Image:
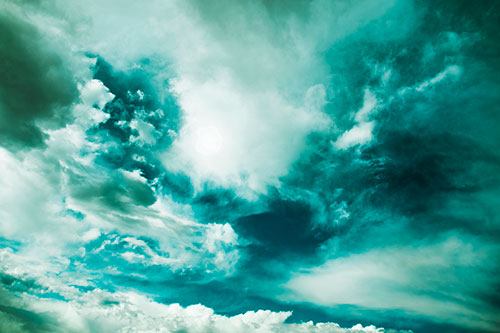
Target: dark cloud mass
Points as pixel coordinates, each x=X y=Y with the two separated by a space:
x=332 y=161
x=35 y=85
x=285 y=230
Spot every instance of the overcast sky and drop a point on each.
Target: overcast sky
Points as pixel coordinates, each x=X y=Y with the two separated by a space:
x=249 y=166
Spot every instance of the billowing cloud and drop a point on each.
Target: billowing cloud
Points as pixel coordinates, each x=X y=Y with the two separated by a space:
x=236 y=139
x=60 y=308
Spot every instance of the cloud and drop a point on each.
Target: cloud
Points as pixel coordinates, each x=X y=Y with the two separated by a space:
x=41 y=215
x=238 y=77
x=124 y=311
x=250 y=95
x=421 y=280
x=37 y=89
x=95 y=93
x=451 y=71
x=198 y=153
x=361 y=133
x=237 y=139
x=68 y=193
x=358 y=135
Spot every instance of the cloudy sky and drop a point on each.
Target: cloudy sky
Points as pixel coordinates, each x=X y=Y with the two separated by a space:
x=249 y=166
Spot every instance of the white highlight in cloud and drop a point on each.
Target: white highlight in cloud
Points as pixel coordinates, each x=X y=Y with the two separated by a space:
x=91 y=235
x=358 y=135
x=147 y=132
x=95 y=93
x=450 y=72
x=361 y=133
x=241 y=139
x=208 y=140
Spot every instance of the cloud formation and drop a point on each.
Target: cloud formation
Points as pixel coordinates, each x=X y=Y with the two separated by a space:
x=418 y=279
x=249 y=166
x=36 y=87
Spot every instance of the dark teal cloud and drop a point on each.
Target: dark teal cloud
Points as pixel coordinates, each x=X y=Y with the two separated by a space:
x=35 y=85
x=285 y=230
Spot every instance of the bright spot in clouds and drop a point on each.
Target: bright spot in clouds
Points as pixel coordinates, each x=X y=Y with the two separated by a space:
x=208 y=141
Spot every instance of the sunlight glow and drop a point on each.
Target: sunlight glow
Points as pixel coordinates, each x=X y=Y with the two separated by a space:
x=208 y=140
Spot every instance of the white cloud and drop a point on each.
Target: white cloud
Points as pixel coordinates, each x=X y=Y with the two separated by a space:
x=103 y=311
x=220 y=234
x=95 y=93
x=31 y=207
x=450 y=71
x=369 y=106
x=136 y=313
x=129 y=311
x=133 y=257
x=358 y=135
x=240 y=139
x=361 y=133
x=421 y=280
x=62 y=184
x=258 y=88
x=147 y=132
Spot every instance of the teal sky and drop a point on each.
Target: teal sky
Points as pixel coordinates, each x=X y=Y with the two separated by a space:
x=249 y=166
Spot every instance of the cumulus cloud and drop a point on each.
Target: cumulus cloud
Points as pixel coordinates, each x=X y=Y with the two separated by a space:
x=129 y=312
x=250 y=95
x=95 y=93
x=125 y=311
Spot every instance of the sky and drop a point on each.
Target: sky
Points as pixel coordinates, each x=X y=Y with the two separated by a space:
x=249 y=166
